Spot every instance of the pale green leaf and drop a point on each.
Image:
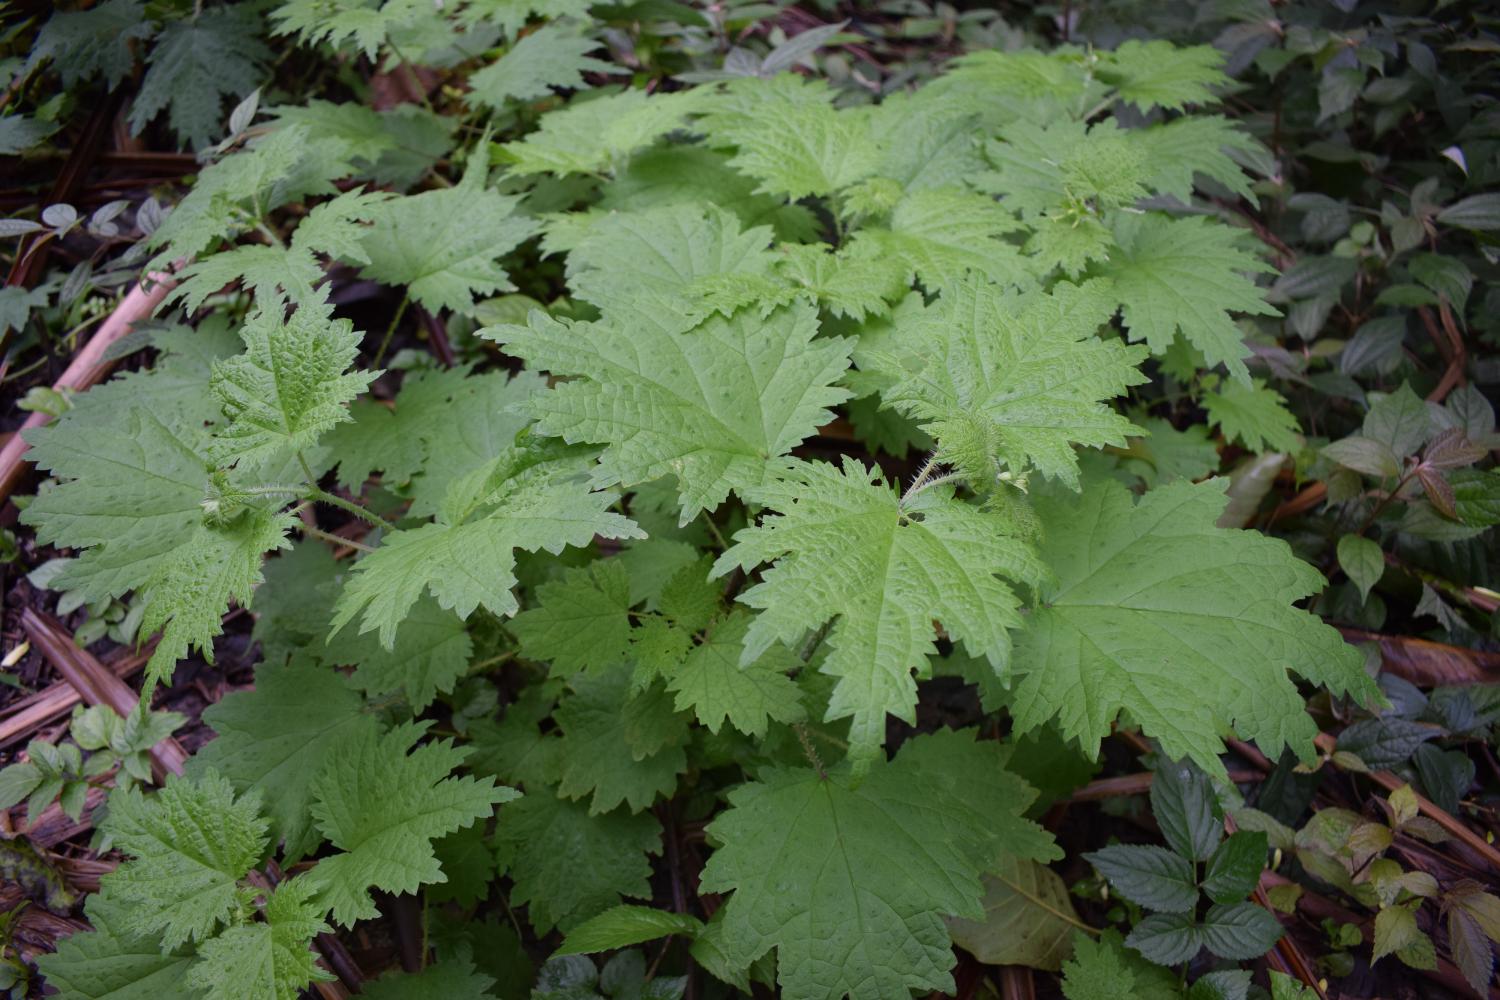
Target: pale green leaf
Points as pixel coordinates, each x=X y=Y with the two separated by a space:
x=1187 y=626
x=269 y=959
x=189 y=844
x=1185 y=276
x=275 y=737
x=524 y=499
x=444 y=245
x=714 y=407
x=857 y=908
x=847 y=550
x=569 y=864
x=382 y=803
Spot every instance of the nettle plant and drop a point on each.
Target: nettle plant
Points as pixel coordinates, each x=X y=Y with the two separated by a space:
x=623 y=531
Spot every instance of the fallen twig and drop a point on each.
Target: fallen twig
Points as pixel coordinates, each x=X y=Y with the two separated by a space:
x=86 y=369
x=95 y=683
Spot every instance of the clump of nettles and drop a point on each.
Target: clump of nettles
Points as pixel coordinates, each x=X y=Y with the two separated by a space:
x=975 y=269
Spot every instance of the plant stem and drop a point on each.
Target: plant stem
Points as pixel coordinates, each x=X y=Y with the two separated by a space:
x=390 y=331
x=323 y=496
x=353 y=508
x=713 y=529
x=922 y=475
x=329 y=536
x=1385 y=501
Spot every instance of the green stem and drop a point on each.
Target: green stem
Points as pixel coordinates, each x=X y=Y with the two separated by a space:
x=390 y=331
x=329 y=536
x=713 y=529
x=323 y=496
x=353 y=508
x=1386 y=501
x=416 y=81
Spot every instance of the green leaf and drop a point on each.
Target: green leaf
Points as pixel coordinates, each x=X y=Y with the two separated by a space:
x=1186 y=275
x=1400 y=421
x=524 y=499
x=116 y=960
x=1187 y=809
x=1476 y=496
x=231 y=194
x=1188 y=146
x=395 y=440
x=272 y=958
x=1471 y=949
x=599 y=133
x=857 y=909
x=940 y=235
x=431 y=655
x=571 y=865
x=382 y=807
x=1010 y=383
x=449 y=979
x=131 y=493
x=1056 y=168
x=1253 y=415
x=83 y=44
x=190 y=589
x=581 y=622
x=626 y=925
x=1187 y=626
x=510 y=16
x=1148 y=875
x=1225 y=984
x=1362 y=561
x=289 y=387
x=444 y=245
x=338 y=22
x=1240 y=932
x=1284 y=987
x=197 y=62
x=617 y=748
x=1028 y=917
x=715 y=406
x=1362 y=454
x=1167 y=938
x=644 y=258
x=1158 y=74
x=274 y=738
x=459 y=425
x=713 y=683
x=1168 y=453
x=1478 y=211
x=847 y=549
x=190 y=844
x=1096 y=971
x=553 y=57
x=799 y=148
x=1234 y=869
